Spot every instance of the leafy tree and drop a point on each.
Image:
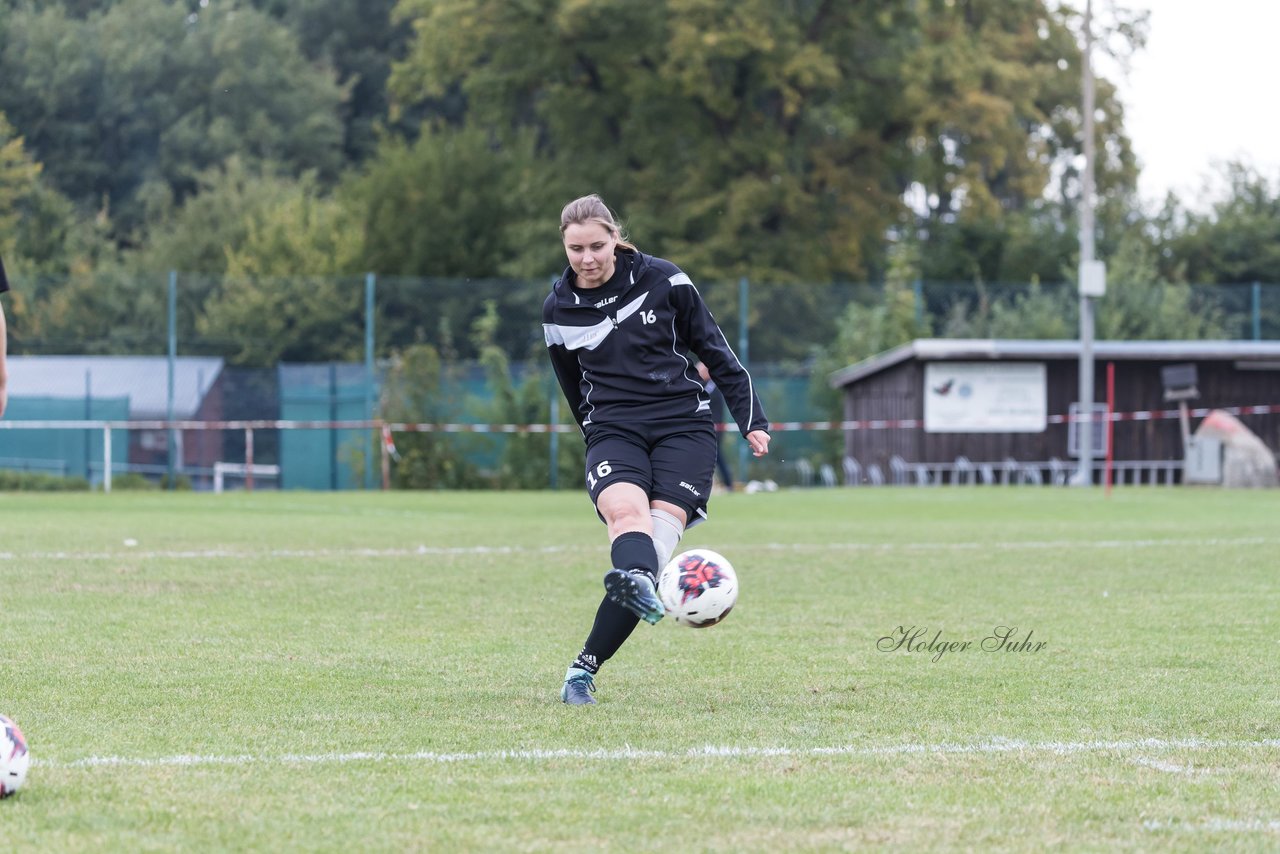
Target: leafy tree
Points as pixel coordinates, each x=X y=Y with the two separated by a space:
x=445 y=205
x=305 y=230
x=775 y=140
x=1140 y=304
x=199 y=235
x=413 y=393
x=42 y=240
x=994 y=88
x=740 y=137
x=72 y=8
x=766 y=139
x=1234 y=242
x=261 y=320
x=525 y=456
x=19 y=176
x=127 y=106
x=1036 y=244
x=1033 y=312
x=254 y=232
x=1237 y=240
x=784 y=319
x=103 y=310
x=865 y=329
x=871 y=326
x=359 y=39
x=228 y=221
x=735 y=138
x=271 y=231
x=454 y=206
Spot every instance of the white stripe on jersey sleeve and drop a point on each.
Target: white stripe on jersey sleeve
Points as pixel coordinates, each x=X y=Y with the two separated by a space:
x=680 y=279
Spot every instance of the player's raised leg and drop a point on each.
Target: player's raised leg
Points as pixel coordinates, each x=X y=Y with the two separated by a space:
x=633 y=581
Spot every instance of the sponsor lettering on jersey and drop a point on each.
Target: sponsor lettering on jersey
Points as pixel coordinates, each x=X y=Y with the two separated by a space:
x=590 y=337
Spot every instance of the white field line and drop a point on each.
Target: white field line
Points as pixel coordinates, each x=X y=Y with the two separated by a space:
x=710 y=752
x=423 y=550
x=238 y=554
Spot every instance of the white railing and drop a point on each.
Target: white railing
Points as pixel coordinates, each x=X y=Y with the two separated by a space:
x=248 y=468
x=222 y=469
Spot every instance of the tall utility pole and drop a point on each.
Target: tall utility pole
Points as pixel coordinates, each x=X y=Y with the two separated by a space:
x=1084 y=426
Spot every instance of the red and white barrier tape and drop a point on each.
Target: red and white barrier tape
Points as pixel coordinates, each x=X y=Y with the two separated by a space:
x=912 y=423
x=388 y=427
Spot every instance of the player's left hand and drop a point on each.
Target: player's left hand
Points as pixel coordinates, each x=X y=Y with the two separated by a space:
x=759 y=442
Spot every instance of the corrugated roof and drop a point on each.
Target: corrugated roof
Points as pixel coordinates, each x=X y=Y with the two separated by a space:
x=142 y=379
x=951 y=349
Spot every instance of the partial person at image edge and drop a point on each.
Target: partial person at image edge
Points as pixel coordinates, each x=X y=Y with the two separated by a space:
x=4 y=345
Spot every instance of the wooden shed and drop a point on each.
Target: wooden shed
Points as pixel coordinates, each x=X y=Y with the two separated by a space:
x=996 y=402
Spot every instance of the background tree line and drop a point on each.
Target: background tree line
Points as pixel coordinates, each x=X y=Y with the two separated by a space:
x=274 y=150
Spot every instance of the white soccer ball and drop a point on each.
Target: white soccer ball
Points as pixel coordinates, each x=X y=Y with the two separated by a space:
x=14 y=758
x=698 y=588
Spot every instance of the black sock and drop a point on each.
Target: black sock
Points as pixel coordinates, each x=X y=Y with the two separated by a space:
x=612 y=627
x=635 y=550
x=614 y=623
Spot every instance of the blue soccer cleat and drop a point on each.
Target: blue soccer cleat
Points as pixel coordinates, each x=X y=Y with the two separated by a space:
x=578 y=687
x=634 y=591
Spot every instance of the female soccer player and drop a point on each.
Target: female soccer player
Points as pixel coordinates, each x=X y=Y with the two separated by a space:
x=624 y=331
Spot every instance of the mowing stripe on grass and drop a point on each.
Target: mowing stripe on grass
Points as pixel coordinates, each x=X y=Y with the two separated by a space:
x=990 y=746
x=240 y=554
x=1216 y=825
x=1168 y=767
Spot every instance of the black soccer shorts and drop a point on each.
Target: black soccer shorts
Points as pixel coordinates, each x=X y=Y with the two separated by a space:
x=670 y=460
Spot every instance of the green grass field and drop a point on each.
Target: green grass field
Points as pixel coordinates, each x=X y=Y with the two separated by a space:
x=380 y=672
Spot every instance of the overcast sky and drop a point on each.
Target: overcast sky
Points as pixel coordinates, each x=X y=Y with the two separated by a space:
x=1204 y=92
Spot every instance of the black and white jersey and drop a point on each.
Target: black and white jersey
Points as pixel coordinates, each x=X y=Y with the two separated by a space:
x=622 y=351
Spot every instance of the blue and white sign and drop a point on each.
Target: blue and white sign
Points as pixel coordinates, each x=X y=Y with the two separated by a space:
x=985 y=397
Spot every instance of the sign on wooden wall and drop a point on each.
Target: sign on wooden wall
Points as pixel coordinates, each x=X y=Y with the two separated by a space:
x=985 y=397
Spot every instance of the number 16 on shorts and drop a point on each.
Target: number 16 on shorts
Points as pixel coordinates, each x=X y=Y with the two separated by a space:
x=599 y=473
